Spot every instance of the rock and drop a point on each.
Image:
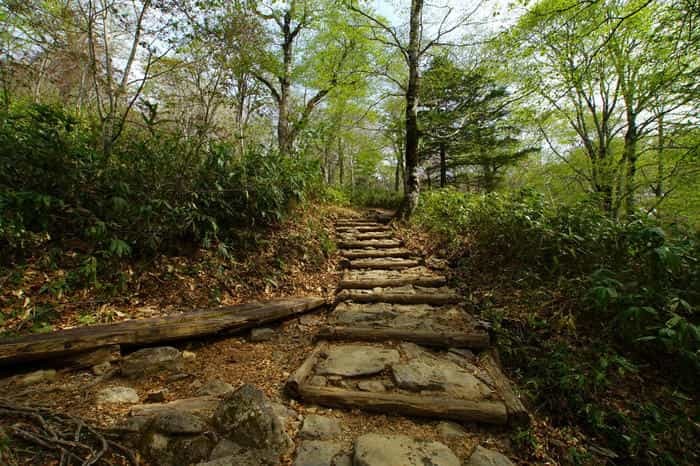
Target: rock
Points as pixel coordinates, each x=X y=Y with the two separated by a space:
x=317 y=381
x=189 y=356
x=228 y=453
x=247 y=417
x=132 y=424
x=164 y=450
x=201 y=406
x=373 y=386
x=282 y=412
x=392 y=450
x=177 y=377
x=156 y=396
x=485 y=457
x=117 y=395
x=215 y=387
x=317 y=427
x=354 y=360
x=262 y=334
x=179 y=422
x=422 y=374
x=102 y=368
x=39 y=376
x=342 y=460
x=451 y=430
x=317 y=453
x=148 y=361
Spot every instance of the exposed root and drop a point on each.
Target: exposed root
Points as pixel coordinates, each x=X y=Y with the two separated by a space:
x=42 y=432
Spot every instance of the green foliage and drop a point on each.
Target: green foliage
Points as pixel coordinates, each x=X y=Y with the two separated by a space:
x=640 y=281
x=150 y=194
x=376 y=197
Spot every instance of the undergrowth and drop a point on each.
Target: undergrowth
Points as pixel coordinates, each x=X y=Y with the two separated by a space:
x=597 y=318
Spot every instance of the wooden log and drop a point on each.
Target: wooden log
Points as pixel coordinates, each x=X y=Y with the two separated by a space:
x=382 y=279
x=474 y=339
x=363 y=229
x=152 y=330
x=370 y=243
x=374 y=253
x=367 y=235
x=385 y=295
x=297 y=379
x=383 y=263
x=517 y=413
x=491 y=412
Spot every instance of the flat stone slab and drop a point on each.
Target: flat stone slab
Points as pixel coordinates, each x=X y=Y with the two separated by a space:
x=317 y=427
x=355 y=360
x=368 y=279
x=485 y=457
x=362 y=228
x=317 y=453
x=374 y=252
x=369 y=243
x=393 y=450
x=410 y=294
x=434 y=374
x=384 y=263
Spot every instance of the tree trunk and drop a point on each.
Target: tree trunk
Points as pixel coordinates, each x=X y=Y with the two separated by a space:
x=659 y=188
x=412 y=133
x=443 y=165
x=630 y=154
x=283 y=137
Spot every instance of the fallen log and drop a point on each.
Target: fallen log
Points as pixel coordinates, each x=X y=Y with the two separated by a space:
x=374 y=253
x=517 y=413
x=380 y=279
x=474 y=339
x=384 y=263
x=370 y=243
x=491 y=412
x=153 y=330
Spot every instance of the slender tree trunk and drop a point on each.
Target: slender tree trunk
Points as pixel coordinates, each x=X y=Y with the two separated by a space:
x=341 y=163
x=283 y=136
x=659 y=188
x=412 y=133
x=630 y=156
x=443 y=165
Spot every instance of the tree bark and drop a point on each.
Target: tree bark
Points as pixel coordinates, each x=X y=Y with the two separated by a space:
x=443 y=164
x=412 y=132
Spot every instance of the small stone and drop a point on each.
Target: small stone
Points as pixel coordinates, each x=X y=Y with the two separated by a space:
x=317 y=427
x=465 y=353
x=215 y=387
x=39 y=376
x=117 y=395
x=102 y=368
x=451 y=430
x=317 y=381
x=373 y=386
x=485 y=457
x=156 y=396
x=148 y=361
x=262 y=334
x=177 y=377
x=317 y=453
x=189 y=356
x=392 y=450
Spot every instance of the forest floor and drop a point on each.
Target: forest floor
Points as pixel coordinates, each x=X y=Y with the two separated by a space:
x=298 y=258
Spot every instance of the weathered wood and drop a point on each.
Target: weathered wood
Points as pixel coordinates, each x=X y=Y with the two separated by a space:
x=153 y=330
x=436 y=296
x=474 y=339
x=366 y=235
x=517 y=413
x=297 y=379
x=374 y=253
x=384 y=263
x=492 y=412
x=421 y=276
x=363 y=229
x=370 y=243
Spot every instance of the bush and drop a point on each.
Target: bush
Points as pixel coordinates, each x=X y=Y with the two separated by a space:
x=375 y=197
x=643 y=282
x=150 y=193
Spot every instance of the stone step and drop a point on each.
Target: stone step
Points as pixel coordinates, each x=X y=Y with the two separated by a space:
x=373 y=252
x=369 y=279
x=369 y=243
x=359 y=223
x=410 y=294
x=447 y=326
x=363 y=229
x=384 y=263
x=367 y=235
x=405 y=379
